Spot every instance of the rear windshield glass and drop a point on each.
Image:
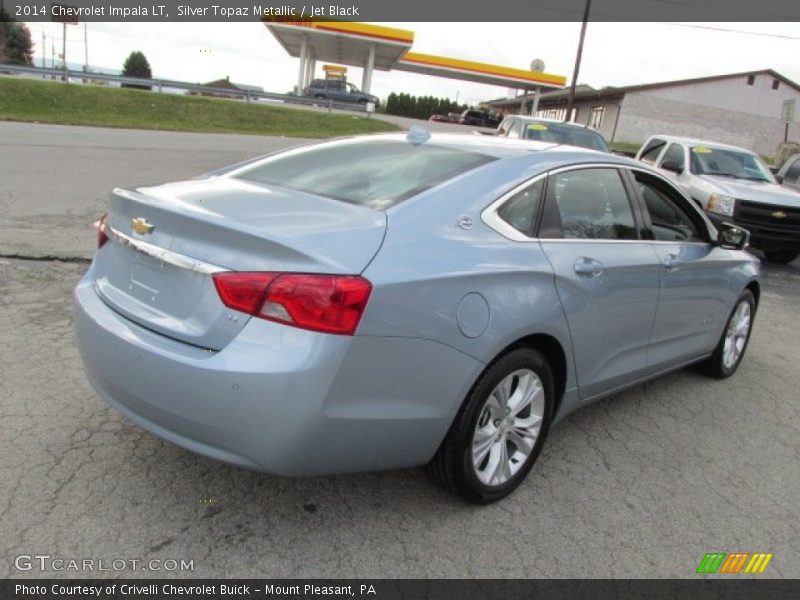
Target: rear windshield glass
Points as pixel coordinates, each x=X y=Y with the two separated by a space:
x=565 y=134
x=377 y=173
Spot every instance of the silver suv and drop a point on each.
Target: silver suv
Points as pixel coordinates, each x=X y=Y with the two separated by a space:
x=732 y=184
x=338 y=91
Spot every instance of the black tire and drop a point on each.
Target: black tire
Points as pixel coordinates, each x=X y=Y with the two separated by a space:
x=781 y=256
x=452 y=467
x=716 y=366
x=320 y=96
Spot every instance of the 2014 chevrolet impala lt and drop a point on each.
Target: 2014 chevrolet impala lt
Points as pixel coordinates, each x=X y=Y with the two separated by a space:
x=389 y=301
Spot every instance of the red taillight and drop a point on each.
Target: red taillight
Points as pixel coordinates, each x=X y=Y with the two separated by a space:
x=102 y=238
x=326 y=303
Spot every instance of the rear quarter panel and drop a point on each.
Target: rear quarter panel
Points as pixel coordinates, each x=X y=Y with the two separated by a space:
x=466 y=288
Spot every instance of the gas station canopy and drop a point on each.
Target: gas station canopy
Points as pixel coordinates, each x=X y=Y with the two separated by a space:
x=478 y=72
x=344 y=42
x=378 y=47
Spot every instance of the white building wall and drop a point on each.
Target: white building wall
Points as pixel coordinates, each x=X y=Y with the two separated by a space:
x=732 y=94
x=750 y=118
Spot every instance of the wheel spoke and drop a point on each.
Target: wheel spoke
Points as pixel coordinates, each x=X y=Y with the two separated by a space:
x=487 y=474
x=523 y=439
x=501 y=471
x=529 y=388
x=503 y=391
x=528 y=422
x=481 y=445
x=743 y=327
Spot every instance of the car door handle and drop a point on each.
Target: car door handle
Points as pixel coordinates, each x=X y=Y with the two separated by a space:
x=672 y=262
x=588 y=266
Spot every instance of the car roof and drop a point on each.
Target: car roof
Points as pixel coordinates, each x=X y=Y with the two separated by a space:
x=484 y=144
x=696 y=142
x=499 y=147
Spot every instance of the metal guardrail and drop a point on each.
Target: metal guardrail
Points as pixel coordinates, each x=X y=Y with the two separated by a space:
x=159 y=85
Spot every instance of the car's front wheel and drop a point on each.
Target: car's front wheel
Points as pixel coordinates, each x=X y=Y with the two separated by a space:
x=499 y=431
x=730 y=349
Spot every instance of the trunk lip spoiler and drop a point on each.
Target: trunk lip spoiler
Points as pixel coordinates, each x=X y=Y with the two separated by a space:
x=167 y=256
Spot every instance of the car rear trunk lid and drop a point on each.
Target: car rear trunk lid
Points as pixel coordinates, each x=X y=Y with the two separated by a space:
x=165 y=242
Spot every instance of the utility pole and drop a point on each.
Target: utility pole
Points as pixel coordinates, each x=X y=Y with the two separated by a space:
x=44 y=49
x=64 y=50
x=85 y=51
x=571 y=97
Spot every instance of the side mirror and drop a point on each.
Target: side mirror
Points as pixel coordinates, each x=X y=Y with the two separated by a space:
x=778 y=178
x=671 y=165
x=733 y=237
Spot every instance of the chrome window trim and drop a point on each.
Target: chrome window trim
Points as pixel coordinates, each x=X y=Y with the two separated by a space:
x=490 y=217
x=596 y=241
x=594 y=165
x=168 y=256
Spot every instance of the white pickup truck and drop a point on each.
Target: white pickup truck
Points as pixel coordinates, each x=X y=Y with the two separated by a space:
x=732 y=184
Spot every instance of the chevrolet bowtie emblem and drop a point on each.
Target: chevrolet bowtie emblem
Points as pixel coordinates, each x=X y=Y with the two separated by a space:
x=779 y=214
x=141 y=226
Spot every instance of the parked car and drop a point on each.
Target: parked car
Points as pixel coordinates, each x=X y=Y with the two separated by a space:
x=480 y=118
x=439 y=119
x=386 y=301
x=732 y=185
x=338 y=91
x=550 y=130
x=789 y=173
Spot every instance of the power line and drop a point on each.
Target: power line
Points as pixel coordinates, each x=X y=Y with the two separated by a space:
x=725 y=6
x=740 y=31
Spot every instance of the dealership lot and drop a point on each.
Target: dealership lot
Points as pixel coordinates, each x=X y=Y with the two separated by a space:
x=641 y=484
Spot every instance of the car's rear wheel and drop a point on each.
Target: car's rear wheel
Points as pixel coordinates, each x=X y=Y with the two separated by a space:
x=781 y=256
x=731 y=347
x=499 y=431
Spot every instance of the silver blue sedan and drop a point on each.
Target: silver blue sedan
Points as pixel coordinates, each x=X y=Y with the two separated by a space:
x=390 y=301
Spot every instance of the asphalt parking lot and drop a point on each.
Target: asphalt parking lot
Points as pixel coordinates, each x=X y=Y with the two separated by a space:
x=638 y=485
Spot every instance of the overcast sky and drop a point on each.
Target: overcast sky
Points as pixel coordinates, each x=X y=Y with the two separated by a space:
x=614 y=53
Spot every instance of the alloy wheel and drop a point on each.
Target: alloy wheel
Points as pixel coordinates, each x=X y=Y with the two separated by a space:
x=508 y=427
x=736 y=335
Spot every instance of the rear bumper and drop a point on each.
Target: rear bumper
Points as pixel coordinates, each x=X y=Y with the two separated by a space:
x=277 y=398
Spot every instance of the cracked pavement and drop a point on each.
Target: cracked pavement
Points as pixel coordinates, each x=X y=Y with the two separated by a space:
x=639 y=484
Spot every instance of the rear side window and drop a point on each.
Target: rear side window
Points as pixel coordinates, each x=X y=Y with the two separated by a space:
x=374 y=173
x=593 y=204
x=521 y=209
x=652 y=150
